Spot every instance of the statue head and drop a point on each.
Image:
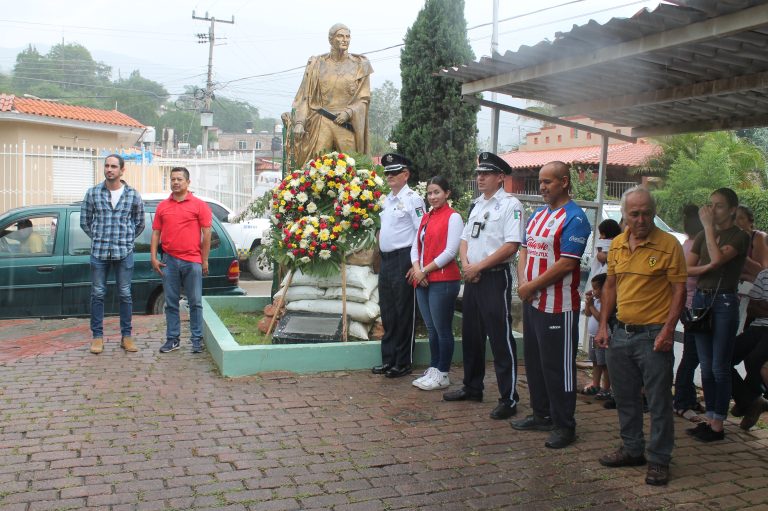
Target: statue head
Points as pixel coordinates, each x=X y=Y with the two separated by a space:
x=338 y=36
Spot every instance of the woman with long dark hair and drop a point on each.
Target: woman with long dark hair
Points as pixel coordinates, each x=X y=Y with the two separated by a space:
x=717 y=258
x=437 y=279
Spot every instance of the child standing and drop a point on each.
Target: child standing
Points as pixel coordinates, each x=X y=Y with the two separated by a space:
x=596 y=354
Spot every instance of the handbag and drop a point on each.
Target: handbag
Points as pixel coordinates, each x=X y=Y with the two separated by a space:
x=699 y=319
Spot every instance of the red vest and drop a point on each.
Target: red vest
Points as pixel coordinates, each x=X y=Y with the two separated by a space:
x=434 y=243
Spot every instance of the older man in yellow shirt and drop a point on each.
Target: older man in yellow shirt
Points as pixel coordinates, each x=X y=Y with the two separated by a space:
x=646 y=284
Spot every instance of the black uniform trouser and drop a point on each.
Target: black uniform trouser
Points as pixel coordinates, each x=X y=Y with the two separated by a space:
x=549 y=342
x=486 y=307
x=398 y=308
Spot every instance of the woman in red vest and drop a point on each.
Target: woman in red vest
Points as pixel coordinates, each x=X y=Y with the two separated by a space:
x=437 y=279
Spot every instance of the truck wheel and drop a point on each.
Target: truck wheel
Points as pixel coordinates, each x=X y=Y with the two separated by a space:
x=157 y=303
x=260 y=266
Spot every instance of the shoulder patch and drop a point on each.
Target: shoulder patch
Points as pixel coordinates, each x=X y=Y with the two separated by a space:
x=419 y=211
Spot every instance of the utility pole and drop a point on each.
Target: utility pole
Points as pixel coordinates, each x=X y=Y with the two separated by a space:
x=495 y=114
x=206 y=116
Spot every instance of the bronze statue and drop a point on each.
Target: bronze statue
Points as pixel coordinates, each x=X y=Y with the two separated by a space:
x=330 y=111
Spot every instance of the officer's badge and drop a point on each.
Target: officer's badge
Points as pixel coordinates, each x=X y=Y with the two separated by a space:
x=419 y=211
x=388 y=158
x=652 y=261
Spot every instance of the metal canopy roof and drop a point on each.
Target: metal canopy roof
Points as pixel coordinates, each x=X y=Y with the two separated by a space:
x=697 y=66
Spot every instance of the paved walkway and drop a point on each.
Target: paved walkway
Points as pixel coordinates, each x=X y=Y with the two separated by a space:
x=147 y=431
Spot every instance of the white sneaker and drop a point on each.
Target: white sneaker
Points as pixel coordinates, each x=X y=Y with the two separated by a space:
x=424 y=377
x=438 y=380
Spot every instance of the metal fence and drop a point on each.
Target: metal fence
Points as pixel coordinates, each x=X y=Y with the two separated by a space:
x=38 y=174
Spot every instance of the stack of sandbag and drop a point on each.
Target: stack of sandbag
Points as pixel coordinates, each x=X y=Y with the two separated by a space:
x=323 y=294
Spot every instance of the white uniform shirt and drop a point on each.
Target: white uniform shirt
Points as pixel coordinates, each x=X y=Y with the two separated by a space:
x=400 y=218
x=503 y=221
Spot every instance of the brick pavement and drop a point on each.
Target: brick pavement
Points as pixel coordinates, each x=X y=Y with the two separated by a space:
x=147 y=431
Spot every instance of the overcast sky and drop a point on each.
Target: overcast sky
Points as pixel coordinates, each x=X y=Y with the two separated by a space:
x=253 y=57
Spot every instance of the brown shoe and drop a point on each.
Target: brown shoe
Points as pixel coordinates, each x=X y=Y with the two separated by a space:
x=128 y=345
x=752 y=415
x=657 y=475
x=621 y=458
x=97 y=345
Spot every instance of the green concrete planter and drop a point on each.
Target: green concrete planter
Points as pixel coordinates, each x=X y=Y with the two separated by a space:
x=235 y=360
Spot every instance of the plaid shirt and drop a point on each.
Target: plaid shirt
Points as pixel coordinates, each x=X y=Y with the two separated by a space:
x=112 y=230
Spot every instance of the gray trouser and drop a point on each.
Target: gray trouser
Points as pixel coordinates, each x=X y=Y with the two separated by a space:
x=632 y=365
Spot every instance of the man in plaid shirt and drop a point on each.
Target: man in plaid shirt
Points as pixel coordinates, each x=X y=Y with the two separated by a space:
x=112 y=215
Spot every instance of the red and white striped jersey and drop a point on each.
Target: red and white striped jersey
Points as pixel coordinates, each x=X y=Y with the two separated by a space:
x=550 y=235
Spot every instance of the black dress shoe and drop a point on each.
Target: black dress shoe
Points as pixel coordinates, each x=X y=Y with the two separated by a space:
x=383 y=368
x=503 y=410
x=533 y=423
x=560 y=437
x=461 y=395
x=398 y=371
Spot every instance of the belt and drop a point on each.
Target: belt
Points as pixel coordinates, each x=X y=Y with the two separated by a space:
x=395 y=252
x=498 y=267
x=719 y=291
x=638 y=328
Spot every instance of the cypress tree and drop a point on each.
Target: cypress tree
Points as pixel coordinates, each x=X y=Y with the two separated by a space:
x=437 y=131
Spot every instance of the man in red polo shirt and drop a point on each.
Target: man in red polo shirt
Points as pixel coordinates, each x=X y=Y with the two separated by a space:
x=182 y=226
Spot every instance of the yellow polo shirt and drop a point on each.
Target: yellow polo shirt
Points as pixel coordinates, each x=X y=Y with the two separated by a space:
x=643 y=277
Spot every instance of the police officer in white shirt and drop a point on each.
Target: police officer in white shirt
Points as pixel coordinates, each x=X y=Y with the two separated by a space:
x=400 y=219
x=492 y=235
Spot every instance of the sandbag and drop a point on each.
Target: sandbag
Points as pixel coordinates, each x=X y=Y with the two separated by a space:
x=362 y=257
x=357 y=330
x=363 y=312
x=354 y=294
x=357 y=276
x=296 y=293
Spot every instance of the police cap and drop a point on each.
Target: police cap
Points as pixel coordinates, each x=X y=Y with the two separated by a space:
x=489 y=162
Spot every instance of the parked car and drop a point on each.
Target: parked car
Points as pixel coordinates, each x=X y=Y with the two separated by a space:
x=56 y=279
x=247 y=235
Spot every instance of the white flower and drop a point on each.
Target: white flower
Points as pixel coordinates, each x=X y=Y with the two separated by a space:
x=294 y=183
x=350 y=161
x=354 y=192
x=304 y=260
x=378 y=181
x=303 y=243
x=290 y=254
x=368 y=222
x=287 y=195
x=274 y=219
x=346 y=209
x=311 y=207
x=302 y=197
x=331 y=194
x=366 y=195
x=319 y=184
x=325 y=254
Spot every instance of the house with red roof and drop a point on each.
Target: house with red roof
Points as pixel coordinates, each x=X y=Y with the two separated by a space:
x=580 y=149
x=52 y=152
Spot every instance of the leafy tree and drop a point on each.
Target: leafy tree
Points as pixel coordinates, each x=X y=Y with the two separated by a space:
x=702 y=162
x=232 y=116
x=139 y=97
x=437 y=130
x=384 y=116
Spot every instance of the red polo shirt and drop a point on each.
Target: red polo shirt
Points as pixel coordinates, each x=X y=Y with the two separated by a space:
x=179 y=224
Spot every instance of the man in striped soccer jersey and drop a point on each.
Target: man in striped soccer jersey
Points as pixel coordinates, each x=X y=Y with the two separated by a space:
x=548 y=285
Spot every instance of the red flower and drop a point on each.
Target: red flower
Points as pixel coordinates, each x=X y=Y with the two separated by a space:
x=323 y=245
x=296 y=252
x=342 y=157
x=355 y=226
x=334 y=248
x=370 y=205
x=377 y=194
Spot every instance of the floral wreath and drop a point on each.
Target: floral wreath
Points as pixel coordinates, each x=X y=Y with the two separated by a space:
x=324 y=211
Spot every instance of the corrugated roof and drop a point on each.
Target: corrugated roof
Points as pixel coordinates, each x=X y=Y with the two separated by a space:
x=43 y=108
x=701 y=65
x=619 y=155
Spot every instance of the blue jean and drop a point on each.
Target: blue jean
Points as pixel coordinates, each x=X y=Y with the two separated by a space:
x=715 y=349
x=123 y=269
x=685 y=390
x=437 y=303
x=632 y=365
x=178 y=273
